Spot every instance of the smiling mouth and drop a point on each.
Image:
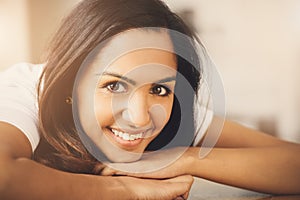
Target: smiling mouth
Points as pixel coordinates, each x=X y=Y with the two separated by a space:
x=128 y=140
x=125 y=140
x=127 y=136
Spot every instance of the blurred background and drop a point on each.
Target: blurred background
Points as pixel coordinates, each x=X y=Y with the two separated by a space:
x=255 y=45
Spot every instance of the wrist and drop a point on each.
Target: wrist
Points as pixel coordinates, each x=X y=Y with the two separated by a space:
x=192 y=161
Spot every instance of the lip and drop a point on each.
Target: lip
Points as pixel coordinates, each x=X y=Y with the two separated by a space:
x=132 y=132
x=126 y=144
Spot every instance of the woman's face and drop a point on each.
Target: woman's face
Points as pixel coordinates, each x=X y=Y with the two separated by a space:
x=132 y=97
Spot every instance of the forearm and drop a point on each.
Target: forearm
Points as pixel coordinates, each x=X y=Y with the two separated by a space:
x=266 y=169
x=27 y=179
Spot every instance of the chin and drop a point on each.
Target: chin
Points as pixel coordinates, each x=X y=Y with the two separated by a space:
x=124 y=157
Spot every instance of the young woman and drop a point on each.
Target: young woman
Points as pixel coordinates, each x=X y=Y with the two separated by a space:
x=120 y=79
x=94 y=23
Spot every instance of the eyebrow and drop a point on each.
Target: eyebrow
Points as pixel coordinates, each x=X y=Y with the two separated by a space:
x=168 y=79
x=118 y=76
x=164 y=80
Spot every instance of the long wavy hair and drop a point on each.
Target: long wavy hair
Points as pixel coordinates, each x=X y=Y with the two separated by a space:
x=90 y=23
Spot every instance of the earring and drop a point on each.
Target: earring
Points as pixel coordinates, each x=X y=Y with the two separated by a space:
x=69 y=100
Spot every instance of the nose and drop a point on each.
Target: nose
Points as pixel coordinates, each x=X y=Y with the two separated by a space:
x=137 y=112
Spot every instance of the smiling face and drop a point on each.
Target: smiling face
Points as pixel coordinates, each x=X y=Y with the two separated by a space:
x=132 y=96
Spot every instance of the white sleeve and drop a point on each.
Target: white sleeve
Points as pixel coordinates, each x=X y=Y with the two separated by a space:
x=203 y=112
x=203 y=125
x=18 y=99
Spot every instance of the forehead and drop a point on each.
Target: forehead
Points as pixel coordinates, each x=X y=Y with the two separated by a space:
x=145 y=61
x=134 y=48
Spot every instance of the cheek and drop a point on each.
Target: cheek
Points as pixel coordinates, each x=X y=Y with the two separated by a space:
x=103 y=110
x=166 y=105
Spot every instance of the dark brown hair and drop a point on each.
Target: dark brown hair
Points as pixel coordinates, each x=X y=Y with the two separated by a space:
x=90 y=23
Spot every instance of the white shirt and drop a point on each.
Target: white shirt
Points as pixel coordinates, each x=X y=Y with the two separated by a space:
x=19 y=107
x=18 y=99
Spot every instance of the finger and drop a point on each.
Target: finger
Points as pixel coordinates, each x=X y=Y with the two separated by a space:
x=188 y=180
x=126 y=168
x=186 y=195
x=131 y=169
x=138 y=169
x=179 y=198
x=108 y=171
x=181 y=179
x=180 y=190
x=191 y=181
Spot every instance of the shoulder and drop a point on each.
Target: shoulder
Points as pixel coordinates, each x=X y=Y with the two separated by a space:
x=18 y=98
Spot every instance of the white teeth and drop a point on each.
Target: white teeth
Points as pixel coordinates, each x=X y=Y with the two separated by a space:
x=127 y=136
x=132 y=137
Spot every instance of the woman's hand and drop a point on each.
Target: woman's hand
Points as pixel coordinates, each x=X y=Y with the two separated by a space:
x=168 y=189
x=161 y=164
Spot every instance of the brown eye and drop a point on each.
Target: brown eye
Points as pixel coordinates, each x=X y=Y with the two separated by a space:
x=116 y=87
x=160 y=90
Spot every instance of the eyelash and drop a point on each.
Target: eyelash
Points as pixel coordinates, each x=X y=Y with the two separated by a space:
x=114 y=83
x=125 y=86
x=167 y=93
